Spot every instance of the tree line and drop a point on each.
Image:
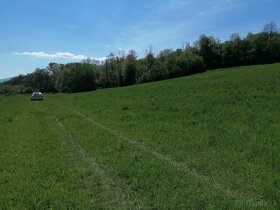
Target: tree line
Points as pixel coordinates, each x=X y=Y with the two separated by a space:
x=124 y=69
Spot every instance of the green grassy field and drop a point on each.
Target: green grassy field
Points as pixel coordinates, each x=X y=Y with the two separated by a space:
x=208 y=141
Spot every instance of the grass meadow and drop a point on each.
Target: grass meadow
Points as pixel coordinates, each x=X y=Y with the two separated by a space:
x=207 y=141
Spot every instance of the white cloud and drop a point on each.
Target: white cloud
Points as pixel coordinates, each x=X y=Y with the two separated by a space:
x=41 y=54
x=64 y=55
x=100 y=58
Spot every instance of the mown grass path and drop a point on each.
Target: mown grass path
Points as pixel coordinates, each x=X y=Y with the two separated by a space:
x=107 y=181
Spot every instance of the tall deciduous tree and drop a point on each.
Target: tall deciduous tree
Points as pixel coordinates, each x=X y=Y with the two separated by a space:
x=76 y=77
x=129 y=71
x=210 y=50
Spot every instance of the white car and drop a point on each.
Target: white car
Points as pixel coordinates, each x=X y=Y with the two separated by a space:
x=37 y=96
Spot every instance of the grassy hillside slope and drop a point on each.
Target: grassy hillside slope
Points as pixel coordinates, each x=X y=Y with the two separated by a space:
x=206 y=141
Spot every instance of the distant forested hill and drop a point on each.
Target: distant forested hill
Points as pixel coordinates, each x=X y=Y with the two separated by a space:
x=4 y=80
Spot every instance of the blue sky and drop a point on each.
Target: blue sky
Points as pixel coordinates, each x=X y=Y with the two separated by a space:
x=36 y=32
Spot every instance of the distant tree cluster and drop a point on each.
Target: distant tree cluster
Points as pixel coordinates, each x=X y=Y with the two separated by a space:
x=126 y=68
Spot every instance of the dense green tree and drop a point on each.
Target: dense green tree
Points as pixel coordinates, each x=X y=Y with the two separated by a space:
x=210 y=49
x=234 y=51
x=19 y=80
x=41 y=80
x=76 y=77
x=129 y=71
x=111 y=73
x=52 y=70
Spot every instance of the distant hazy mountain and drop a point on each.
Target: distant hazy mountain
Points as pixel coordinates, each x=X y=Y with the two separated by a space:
x=4 y=80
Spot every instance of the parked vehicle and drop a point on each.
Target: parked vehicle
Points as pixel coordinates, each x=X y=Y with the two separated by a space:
x=37 y=96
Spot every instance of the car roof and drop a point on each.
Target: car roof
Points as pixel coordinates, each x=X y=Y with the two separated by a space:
x=37 y=93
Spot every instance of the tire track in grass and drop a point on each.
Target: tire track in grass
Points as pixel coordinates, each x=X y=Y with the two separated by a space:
x=110 y=185
x=257 y=201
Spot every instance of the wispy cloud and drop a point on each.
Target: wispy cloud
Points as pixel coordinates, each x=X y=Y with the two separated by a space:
x=63 y=55
x=168 y=21
x=218 y=8
x=172 y=5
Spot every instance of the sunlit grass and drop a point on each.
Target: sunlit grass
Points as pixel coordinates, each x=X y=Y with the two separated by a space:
x=206 y=141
